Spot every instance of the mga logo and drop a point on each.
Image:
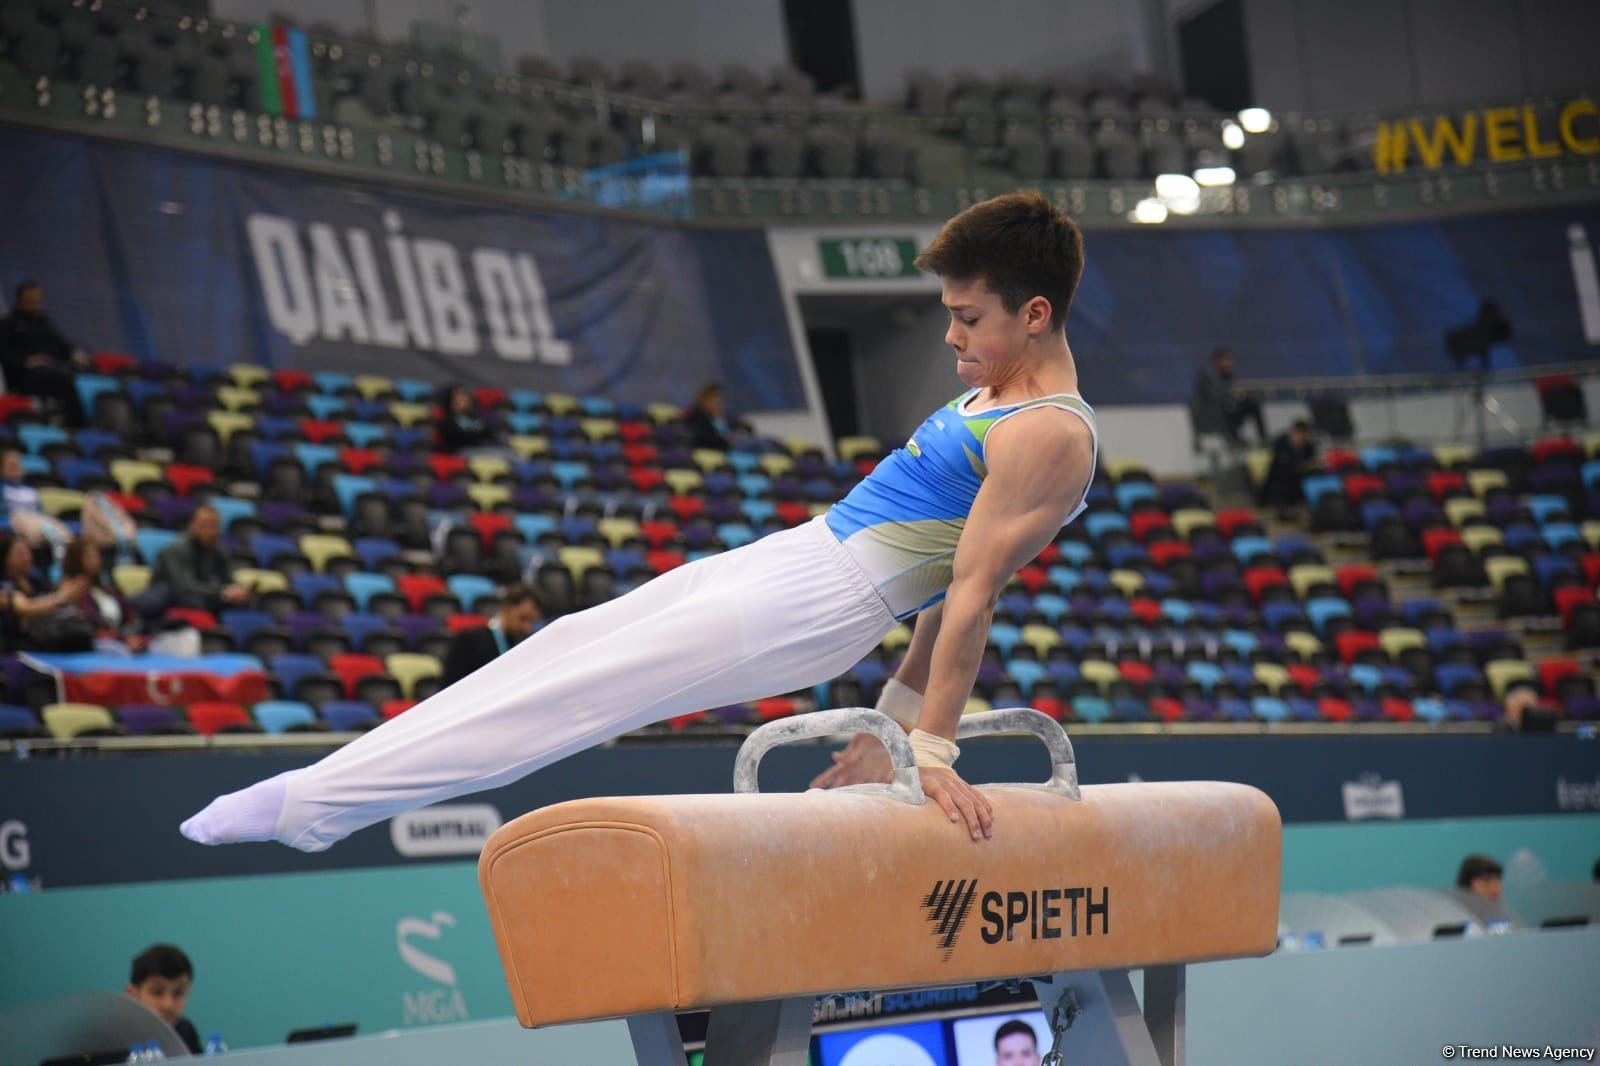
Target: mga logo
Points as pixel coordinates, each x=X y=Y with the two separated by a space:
x=947 y=906
x=442 y=1001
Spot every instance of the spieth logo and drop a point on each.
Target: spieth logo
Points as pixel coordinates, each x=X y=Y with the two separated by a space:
x=947 y=906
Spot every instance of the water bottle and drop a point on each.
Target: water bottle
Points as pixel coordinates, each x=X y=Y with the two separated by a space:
x=156 y=1054
x=215 y=1045
x=135 y=1053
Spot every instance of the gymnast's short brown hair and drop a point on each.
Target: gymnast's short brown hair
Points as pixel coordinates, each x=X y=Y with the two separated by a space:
x=1019 y=245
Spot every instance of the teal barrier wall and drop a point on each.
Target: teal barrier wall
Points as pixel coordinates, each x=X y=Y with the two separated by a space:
x=404 y=948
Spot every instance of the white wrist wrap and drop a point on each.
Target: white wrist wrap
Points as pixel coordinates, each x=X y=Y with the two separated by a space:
x=932 y=750
x=900 y=702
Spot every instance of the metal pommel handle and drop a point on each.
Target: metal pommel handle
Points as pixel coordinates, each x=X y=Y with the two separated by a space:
x=1012 y=720
x=907 y=785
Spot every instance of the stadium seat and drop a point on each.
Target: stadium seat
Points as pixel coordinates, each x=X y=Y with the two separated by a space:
x=284 y=716
x=210 y=717
x=67 y=721
x=410 y=668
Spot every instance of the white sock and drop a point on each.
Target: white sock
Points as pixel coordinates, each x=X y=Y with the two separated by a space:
x=249 y=814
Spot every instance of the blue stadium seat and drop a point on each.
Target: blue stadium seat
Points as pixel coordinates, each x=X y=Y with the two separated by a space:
x=75 y=471
x=349 y=716
x=735 y=534
x=534 y=526
x=331 y=381
x=374 y=551
x=291 y=668
x=1204 y=674
x=1027 y=673
x=34 y=436
x=310 y=586
x=1248 y=547
x=363 y=586
x=1131 y=492
x=152 y=542
x=312 y=456
x=263 y=453
x=1269 y=709
x=268 y=546
x=280 y=716
x=411 y=390
x=468 y=589
x=350 y=487
x=1051 y=605
x=1099 y=523
x=1091 y=709
x=359 y=625
x=230 y=509
x=365 y=434
x=1319 y=485
x=1323 y=610
x=326 y=407
x=757 y=511
x=1076 y=553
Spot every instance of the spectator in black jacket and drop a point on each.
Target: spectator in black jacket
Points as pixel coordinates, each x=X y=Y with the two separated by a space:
x=708 y=422
x=520 y=612
x=1293 y=457
x=193 y=571
x=37 y=359
x=1221 y=405
x=461 y=424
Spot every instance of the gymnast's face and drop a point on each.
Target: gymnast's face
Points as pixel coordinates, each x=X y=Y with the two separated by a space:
x=164 y=995
x=1017 y=1049
x=988 y=339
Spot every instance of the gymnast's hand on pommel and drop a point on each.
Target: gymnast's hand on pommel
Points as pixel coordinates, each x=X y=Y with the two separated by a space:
x=864 y=761
x=959 y=800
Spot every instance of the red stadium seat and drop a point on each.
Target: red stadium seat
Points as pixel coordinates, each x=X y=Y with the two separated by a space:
x=292 y=380
x=1444 y=483
x=1305 y=676
x=1258 y=579
x=645 y=478
x=866 y=466
x=184 y=478
x=684 y=721
x=321 y=431
x=662 y=560
x=465 y=620
x=1353 y=574
x=1436 y=540
x=659 y=533
x=446 y=466
x=1141 y=523
x=1353 y=642
x=1166 y=709
x=200 y=619
x=641 y=454
x=490 y=524
x=1164 y=551
x=1556 y=448
x=490 y=398
x=635 y=432
x=1591 y=568
x=686 y=507
x=1334 y=709
x=1232 y=518
x=1396 y=709
x=1359 y=486
x=1337 y=460
x=213 y=717
x=12 y=404
x=1145 y=609
x=1047 y=558
x=1136 y=671
x=351 y=667
x=112 y=364
x=1033 y=578
x=1552 y=671
x=775 y=707
x=1050 y=705
x=360 y=460
x=416 y=588
x=793 y=512
x=1569 y=598
x=395 y=708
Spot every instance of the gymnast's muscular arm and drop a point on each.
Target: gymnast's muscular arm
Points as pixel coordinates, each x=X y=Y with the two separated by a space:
x=1040 y=463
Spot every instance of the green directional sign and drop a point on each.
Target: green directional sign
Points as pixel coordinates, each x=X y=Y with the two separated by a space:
x=868 y=258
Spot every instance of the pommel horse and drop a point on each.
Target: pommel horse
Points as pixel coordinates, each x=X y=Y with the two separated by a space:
x=752 y=905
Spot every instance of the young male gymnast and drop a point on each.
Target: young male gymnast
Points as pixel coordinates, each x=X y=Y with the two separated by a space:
x=935 y=531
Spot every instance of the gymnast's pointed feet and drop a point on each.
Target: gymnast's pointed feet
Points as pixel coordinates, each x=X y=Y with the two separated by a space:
x=239 y=817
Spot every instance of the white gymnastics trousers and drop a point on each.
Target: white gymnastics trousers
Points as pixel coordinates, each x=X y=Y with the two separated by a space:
x=783 y=613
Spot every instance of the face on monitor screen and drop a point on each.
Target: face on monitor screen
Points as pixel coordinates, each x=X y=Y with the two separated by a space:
x=1001 y=1039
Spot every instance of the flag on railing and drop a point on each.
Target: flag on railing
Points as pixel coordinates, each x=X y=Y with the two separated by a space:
x=285 y=61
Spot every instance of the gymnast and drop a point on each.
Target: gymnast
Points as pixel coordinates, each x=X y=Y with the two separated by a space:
x=935 y=531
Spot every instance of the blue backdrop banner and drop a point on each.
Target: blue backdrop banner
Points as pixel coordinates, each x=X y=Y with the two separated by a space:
x=171 y=256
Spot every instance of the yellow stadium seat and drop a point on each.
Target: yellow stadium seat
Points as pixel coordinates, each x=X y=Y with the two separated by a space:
x=1397 y=639
x=489 y=467
x=561 y=403
x=977 y=705
x=683 y=482
x=1257 y=461
x=1041 y=638
x=130 y=579
x=1461 y=508
x=1591 y=533
x=68 y=720
x=852 y=448
x=410 y=667
x=579 y=558
x=1591 y=445
x=56 y=501
x=618 y=531
x=1503 y=673
x=896 y=639
x=226 y=423
x=1305 y=575
x=1189 y=519
x=597 y=429
x=1117 y=469
x=817 y=509
x=249 y=375
x=798 y=446
x=1481 y=481
x=1099 y=673
x=1500 y=567
x=129 y=474
x=1450 y=455
x=529 y=447
x=775 y=465
x=709 y=459
x=488 y=497
x=410 y=414
x=374 y=386
x=663 y=412
x=1477 y=538
x=1272 y=675
x=1128 y=582
x=321 y=547
x=234 y=398
x=261 y=580
x=1302 y=644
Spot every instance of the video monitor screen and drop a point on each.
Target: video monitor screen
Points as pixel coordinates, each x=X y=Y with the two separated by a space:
x=1001 y=1039
x=913 y=1044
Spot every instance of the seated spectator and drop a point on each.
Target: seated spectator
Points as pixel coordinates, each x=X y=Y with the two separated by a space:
x=1481 y=876
x=520 y=614
x=22 y=508
x=1293 y=455
x=1221 y=406
x=193 y=571
x=461 y=424
x=161 y=980
x=27 y=613
x=101 y=605
x=37 y=359
x=707 y=420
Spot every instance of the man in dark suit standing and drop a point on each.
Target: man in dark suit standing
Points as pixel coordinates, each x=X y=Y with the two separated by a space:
x=519 y=613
